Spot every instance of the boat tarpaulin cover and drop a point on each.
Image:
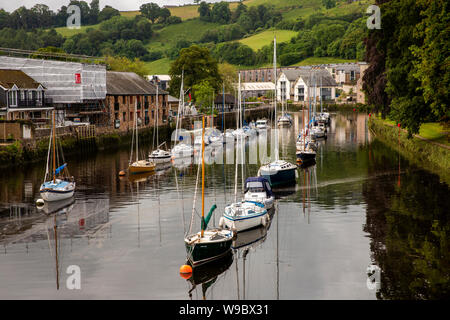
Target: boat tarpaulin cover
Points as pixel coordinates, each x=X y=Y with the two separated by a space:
x=58 y=170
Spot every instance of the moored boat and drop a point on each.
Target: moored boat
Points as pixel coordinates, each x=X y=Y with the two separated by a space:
x=62 y=185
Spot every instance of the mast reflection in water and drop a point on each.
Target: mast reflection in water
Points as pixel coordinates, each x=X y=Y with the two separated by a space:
x=346 y=212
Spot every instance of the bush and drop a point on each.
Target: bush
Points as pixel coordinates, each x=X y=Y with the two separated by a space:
x=173 y=20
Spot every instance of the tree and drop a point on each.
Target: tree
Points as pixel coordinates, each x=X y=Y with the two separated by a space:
x=94 y=12
x=221 y=13
x=204 y=11
x=164 y=14
x=204 y=95
x=240 y=9
x=432 y=60
x=229 y=75
x=107 y=13
x=150 y=10
x=329 y=3
x=198 y=65
x=125 y=64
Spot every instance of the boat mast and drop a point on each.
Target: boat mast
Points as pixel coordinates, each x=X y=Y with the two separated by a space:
x=276 y=92
x=135 y=121
x=237 y=140
x=203 y=174
x=54 y=148
x=157 y=115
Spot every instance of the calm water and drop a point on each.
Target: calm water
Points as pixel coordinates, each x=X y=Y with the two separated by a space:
x=359 y=206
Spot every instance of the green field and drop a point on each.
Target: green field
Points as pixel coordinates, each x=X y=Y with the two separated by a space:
x=160 y=66
x=321 y=60
x=259 y=40
x=66 y=32
x=190 y=30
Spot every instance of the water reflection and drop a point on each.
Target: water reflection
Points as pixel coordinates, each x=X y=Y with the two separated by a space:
x=359 y=204
x=409 y=227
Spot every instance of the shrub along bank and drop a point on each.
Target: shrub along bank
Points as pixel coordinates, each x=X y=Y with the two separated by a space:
x=420 y=152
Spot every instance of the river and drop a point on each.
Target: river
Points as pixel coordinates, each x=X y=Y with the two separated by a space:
x=362 y=223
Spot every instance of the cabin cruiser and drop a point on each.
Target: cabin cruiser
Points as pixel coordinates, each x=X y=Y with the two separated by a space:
x=285 y=120
x=258 y=189
x=262 y=124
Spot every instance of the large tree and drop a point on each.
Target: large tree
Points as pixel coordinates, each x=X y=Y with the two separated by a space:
x=198 y=66
x=151 y=11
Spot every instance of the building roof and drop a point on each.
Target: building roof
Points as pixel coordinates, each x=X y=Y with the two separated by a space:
x=128 y=83
x=11 y=77
x=311 y=77
x=257 y=86
x=172 y=99
x=292 y=74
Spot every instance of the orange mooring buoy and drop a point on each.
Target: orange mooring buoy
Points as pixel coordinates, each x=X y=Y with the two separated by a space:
x=185 y=271
x=121 y=173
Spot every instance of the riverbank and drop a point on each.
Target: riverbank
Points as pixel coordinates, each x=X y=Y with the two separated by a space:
x=424 y=153
x=327 y=107
x=22 y=151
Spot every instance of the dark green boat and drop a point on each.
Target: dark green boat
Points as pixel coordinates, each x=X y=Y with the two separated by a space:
x=207 y=245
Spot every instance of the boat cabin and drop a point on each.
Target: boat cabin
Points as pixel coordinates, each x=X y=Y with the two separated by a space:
x=258 y=184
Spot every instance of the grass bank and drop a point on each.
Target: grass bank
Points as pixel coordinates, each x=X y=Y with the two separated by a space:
x=420 y=152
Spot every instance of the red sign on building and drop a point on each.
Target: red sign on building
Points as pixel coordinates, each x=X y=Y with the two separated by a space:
x=77 y=78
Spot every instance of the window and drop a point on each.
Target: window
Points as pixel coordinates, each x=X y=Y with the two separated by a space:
x=123 y=99
x=352 y=75
x=12 y=97
x=22 y=94
x=124 y=116
x=131 y=99
x=301 y=93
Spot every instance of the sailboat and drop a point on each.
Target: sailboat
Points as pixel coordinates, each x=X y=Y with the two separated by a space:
x=243 y=215
x=208 y=244
x=61 y=186
x=278 y=172
x=159 y=155
x=285 y=120
x=306 y=152
x=139 y=166
x=182 y=149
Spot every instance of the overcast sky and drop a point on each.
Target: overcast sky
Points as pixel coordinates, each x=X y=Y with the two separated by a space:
x=122 y=5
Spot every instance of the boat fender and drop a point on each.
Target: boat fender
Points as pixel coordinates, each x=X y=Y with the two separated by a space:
x=222 y=222
x=263 y=221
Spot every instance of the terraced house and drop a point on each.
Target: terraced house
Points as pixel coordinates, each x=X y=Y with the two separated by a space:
x=22 y=97
x=127 y=94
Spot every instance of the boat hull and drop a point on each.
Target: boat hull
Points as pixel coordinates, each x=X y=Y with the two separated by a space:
x=305 y=156
x=200 y=252
x=280 y=177
x=246 y=223
x=136 y=169
x=56 y=195
x=158 y=160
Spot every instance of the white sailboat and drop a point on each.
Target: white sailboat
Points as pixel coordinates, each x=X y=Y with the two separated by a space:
x=243 y=215
x=182 y=149
x=61 y=186
x=278 y=172
x=138 y=166
x=159 y=155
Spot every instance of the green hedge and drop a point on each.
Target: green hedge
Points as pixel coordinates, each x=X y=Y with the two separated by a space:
x=422 y=153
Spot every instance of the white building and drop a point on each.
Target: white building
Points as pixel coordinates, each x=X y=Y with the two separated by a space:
x=300 y=85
